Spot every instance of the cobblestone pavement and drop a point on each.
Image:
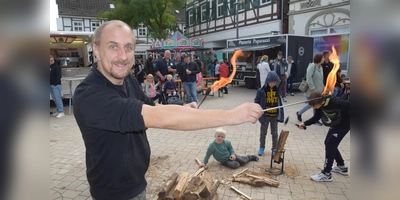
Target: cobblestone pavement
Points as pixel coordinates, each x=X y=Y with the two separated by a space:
x=174 y=151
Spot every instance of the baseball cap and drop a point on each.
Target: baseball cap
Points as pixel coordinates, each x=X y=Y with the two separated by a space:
x=280 y=52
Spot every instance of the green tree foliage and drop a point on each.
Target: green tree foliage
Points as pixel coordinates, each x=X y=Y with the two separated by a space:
x=156 y=15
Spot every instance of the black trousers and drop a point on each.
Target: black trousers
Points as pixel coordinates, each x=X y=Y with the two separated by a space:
x=332 y=141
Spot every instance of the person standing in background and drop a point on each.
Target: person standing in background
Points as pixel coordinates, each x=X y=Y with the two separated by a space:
x=55 y=87
x=280 y=67
x=292 y=72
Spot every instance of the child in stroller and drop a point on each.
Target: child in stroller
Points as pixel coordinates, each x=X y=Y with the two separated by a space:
x=170 y=90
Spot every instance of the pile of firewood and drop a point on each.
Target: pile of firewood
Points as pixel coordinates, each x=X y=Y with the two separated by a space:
x=190 y=187
x=254 y=178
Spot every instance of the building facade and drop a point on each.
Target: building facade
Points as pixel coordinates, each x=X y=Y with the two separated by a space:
x=215 y=20
x=328 y=21
x=81 y=16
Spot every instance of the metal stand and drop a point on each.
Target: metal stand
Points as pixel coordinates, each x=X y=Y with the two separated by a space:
x=276 y=170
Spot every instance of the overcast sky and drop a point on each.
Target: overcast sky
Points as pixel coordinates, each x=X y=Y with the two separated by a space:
x=53 y=15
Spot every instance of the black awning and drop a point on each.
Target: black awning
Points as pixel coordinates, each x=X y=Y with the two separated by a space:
x=248 y=48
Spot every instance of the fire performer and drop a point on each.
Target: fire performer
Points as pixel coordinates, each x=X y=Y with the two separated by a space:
x=113 y=115
x=338 y=112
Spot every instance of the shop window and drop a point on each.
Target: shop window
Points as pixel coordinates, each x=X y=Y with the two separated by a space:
x=319 y=32
x=78 y=26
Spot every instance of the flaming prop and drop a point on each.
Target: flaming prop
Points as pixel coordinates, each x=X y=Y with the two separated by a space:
x=222 y=82
x=332 y=77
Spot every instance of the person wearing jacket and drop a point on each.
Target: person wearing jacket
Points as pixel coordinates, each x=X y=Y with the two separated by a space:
x=224 y=73
x=113 y=113
x=337 y=111
x=187 y=72
x=292 y=72
x=55 y=87
x=268 y=96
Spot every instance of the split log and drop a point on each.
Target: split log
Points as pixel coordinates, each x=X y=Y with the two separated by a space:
x=241 y=193
x=241 y=172
x=181 y=186
x=198 y=172
x=250 y=181
x=214 y=189
x=191 y=192
x=168 y=185
x=258 y=174
x=268 y=181
x=205 y=187
x=281 y=145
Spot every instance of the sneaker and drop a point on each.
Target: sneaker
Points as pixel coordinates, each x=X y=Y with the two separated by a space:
x=299 y=116
x=341 y=169
x=260 y=151
x=322 y=177
x=284 y=99
x=318 y=123
x=59 y=115
x=253 y=158
x=273 y=151
x=292 y=94
x=55 y=114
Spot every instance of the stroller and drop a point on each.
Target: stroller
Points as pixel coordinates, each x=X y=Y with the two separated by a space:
x=171 y=98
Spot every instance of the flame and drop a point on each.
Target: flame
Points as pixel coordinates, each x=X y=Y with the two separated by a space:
x=332 y=77
x=224 y=81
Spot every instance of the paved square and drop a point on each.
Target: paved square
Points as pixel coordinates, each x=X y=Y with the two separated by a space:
x=175 y=151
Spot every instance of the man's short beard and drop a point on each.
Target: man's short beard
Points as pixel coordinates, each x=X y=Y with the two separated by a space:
x=118 y=77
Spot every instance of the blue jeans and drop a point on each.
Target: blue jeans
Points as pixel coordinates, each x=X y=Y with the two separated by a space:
x=337 y=91
x=305 y=108
x=211 y=72
x=191 y=91
x=55 y=92
x=289 y=85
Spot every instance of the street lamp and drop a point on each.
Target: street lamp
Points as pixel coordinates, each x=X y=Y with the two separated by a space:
x=237 y=18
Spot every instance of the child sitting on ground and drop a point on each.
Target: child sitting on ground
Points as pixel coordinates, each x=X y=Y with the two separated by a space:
x=223 y=152
x=169 y=87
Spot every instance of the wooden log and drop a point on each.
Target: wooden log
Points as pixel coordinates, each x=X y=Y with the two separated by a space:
x=241 y=193
x=198 y=162
x=198 y=172
x=214 y=189
x=168 y=185
x=241 y=172
x=250 y=181
x=259 y=174
x=281 y=145
x=181 y=186
x=191 y=195
x=268 y=181
x=205 y=187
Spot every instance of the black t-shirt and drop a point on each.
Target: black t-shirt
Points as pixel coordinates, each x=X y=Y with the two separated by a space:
x=112 y=126
x=271 y=100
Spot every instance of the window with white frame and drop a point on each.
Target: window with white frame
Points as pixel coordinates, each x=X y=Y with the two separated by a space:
x=203 y=12
x=330 y=30
x=191 y=17
x=142 y=30
x=240 y=5
x=95 y=24
x=220 y=8
x=262 y=2
x=78 y=26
